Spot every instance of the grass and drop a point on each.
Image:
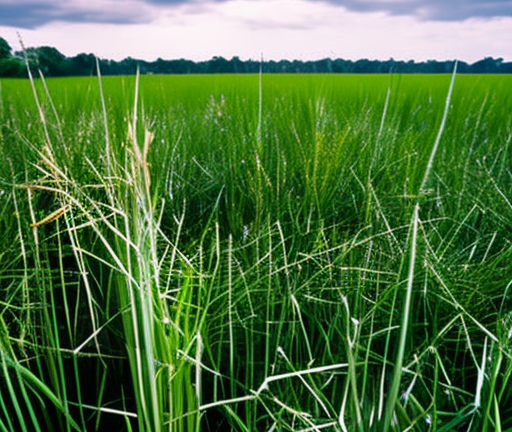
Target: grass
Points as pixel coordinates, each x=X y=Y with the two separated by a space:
x=293 y=253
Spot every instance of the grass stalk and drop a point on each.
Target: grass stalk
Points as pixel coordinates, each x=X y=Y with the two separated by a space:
x=439 y=132
x=404 y=326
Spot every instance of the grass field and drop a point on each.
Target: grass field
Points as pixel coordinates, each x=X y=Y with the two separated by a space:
x=253 y=253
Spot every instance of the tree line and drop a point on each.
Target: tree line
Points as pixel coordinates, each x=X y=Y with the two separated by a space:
x=52 y=63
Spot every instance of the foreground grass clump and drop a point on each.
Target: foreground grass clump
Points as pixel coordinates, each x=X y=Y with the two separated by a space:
x=215 y=252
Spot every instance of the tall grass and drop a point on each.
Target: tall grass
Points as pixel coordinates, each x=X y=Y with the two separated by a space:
x=256 y=253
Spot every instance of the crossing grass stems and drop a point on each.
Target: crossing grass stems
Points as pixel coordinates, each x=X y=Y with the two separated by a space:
x=277 y=255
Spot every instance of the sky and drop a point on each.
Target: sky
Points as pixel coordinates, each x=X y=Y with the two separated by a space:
x=419 y=30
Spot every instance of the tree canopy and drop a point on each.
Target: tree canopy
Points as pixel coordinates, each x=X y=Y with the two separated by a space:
x=5 y=49
x=51 y=62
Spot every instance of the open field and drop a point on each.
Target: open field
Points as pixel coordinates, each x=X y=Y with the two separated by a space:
x=284 y=253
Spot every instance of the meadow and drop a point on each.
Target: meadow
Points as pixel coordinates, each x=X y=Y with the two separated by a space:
x=256 y=253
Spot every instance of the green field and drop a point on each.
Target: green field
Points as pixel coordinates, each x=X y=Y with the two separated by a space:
x=256 y=253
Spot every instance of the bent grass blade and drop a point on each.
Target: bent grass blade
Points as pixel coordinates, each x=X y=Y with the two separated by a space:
x=51 y=217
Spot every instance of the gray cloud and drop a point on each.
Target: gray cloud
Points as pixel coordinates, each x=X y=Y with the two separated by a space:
x=436 y=10
x=35 y=13
x=450 y=10
x=26 y=16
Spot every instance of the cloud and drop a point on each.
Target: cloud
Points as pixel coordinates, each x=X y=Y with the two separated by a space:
x=432 y=10
x=436 y=10
x=35 y=13
x=32 y=14
x=291 y=29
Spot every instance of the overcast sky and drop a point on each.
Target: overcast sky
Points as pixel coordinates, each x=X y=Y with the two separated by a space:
x=467 y=30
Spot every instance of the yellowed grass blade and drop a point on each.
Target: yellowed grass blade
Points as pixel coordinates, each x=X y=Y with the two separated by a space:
x=51 y=217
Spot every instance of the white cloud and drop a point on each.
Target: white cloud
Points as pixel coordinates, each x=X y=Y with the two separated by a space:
x=279 y=29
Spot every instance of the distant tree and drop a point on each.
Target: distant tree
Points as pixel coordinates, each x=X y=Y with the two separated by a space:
x=506 y=68
x=53 y=63
x=10 y=66
x=236 y=65
x=82 y=64
x=127 y=66
x=160 y=66
x=363 y=66
x=179 y=67
x=324 y=65
x=409 y=67
x=5 y=49
x=219 y=65
x=487 y=65
x=107 y=67
x=462 y=67
x=49 y=60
